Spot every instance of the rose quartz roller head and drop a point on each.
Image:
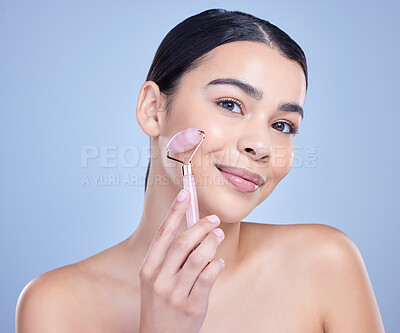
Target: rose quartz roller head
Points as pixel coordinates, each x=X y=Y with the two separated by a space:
x=183 y=141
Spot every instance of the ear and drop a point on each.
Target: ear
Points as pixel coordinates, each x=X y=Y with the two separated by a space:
x=150 y=101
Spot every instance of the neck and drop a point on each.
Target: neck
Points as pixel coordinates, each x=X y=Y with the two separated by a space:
x=157 y=203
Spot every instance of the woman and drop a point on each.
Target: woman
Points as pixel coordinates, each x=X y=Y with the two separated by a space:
x=243 y=82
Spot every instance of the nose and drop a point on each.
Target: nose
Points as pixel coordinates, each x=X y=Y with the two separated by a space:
x=255 y=143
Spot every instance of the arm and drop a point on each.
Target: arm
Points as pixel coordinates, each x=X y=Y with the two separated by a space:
x=348 y=300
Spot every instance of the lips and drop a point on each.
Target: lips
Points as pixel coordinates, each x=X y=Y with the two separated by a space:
x=243 y=173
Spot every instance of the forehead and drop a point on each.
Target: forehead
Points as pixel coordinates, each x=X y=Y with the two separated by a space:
x=253 y=62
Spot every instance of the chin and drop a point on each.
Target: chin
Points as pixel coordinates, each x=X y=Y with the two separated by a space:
x=227 y=203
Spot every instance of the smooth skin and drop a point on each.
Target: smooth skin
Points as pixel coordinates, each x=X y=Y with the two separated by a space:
x=277 y=278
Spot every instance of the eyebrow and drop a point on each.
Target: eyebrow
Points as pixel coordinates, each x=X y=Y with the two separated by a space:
x=256 y=94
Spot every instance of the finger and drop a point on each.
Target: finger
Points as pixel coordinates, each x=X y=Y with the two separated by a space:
x=201 y=290
x=197 y=261
x=182 y=246
x=166 y=233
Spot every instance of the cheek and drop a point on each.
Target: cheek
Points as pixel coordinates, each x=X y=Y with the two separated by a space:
x=216 y=143
x=282 y=160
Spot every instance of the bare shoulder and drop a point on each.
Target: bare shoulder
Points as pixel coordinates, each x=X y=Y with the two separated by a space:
x=46 y=302
x=306 y=237
x=88 y=296
x=321 y=248
x=332 y=263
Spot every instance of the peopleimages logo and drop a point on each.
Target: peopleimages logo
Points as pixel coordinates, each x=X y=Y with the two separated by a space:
x=111 y=156
x=112 y=165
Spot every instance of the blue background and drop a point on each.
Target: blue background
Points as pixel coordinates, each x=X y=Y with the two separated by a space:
x=70 y=75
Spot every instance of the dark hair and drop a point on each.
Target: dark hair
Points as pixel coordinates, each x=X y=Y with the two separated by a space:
x=187 y=44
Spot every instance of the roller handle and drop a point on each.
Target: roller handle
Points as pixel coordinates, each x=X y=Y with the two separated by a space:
x=192 y=213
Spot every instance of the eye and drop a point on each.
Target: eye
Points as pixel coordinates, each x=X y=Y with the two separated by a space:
x=290 y=128
x=228 y=105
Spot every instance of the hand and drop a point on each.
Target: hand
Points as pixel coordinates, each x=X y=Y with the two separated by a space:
x=176 y=277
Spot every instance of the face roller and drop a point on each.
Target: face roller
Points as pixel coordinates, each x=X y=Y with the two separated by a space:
x=183 y=141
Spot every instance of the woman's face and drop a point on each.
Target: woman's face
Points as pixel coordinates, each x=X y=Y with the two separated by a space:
x=242 y=130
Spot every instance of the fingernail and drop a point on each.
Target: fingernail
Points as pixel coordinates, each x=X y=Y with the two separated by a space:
x=181 y=196
x=213 y=218
x=219 y=232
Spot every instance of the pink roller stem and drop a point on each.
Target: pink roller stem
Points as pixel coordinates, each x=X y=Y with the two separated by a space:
x=192 y=213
